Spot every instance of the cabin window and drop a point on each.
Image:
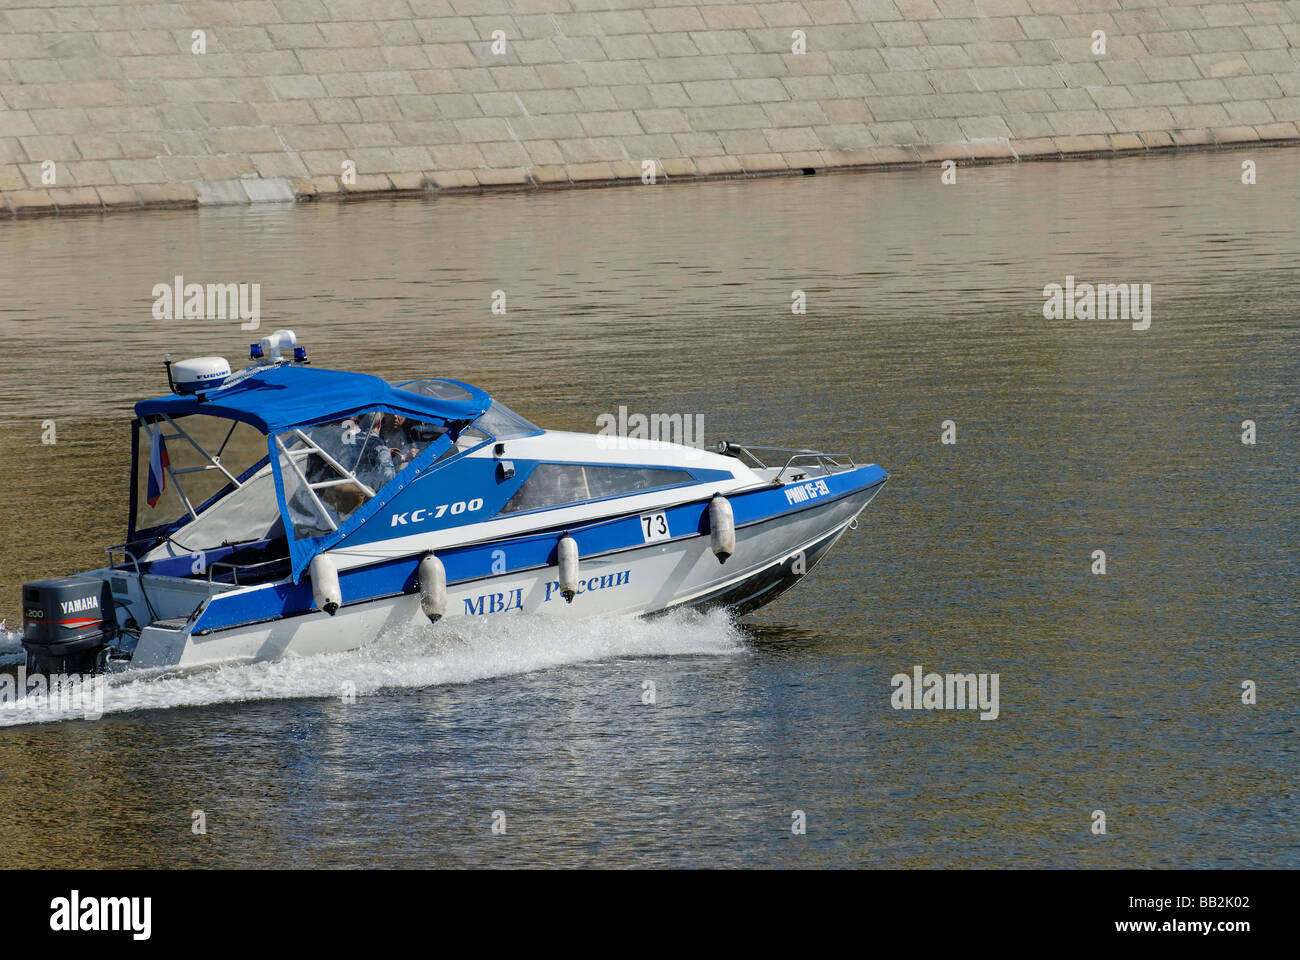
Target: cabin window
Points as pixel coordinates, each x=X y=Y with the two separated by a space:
x=331 y=469
x=552 y=484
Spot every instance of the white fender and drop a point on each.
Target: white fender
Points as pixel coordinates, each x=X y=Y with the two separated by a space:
x=325 y=584
x=433 y=588
x=568 y=560
x=722 y=527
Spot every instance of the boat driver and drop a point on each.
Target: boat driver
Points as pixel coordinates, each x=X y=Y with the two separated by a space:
x=402 y=437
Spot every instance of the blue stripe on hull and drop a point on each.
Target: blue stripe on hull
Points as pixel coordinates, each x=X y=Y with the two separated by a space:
x=468 y=563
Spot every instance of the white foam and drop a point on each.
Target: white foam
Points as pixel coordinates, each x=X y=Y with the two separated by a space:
x=452 y=652
x=10 y=643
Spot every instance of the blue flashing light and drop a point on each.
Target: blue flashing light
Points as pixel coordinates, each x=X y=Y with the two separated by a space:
x=254 y=351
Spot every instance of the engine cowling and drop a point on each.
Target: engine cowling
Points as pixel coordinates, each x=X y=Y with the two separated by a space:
x=68 y=624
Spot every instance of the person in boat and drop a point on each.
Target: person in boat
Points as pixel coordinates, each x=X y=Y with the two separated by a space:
x=375 y=447
x=371 y=454
x=402 y=436
x=357 y=444
x=395 y=430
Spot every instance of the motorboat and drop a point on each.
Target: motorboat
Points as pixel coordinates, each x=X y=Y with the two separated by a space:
x=290 y=510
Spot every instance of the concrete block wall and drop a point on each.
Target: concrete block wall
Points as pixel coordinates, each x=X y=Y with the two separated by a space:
x=105 y=104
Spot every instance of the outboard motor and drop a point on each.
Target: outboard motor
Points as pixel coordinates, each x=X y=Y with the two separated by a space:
x=67 y=625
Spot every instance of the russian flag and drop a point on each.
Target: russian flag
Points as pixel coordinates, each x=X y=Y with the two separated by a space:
x=158 y=462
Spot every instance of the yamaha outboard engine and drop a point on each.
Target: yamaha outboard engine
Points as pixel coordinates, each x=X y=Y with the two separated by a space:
x=67 y=625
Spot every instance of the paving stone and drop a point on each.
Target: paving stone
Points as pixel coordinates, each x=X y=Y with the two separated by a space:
x=452 y=179
x=1120 y=142
x=220 y=193
x=1036 y=147
x=276 y=190
x=167 y=194
x=30 y=201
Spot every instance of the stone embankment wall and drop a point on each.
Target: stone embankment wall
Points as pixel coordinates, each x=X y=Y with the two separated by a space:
x=113 y=104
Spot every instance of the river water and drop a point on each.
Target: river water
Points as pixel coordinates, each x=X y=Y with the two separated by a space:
x=1119 y=693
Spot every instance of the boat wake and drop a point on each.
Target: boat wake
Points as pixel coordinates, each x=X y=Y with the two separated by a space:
x=453 y=652
x=11 y=646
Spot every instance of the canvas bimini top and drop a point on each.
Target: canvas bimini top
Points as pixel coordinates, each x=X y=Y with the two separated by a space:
x=338 y=447
x=278 y=398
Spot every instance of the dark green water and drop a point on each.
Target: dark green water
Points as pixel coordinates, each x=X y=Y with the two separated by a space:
x=1118 y=692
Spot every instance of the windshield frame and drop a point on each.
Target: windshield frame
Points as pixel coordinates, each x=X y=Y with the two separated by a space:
x=505 y=413
x=192 y=512
x=302 y=549
x=526 y=427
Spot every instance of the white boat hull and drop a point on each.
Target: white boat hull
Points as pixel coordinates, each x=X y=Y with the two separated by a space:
x=771 y=555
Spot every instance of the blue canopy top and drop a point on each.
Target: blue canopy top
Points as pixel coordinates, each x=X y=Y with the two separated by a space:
x=290 y=395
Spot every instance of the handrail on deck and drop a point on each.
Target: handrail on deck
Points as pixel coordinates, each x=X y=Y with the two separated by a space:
x=236 y=567
x=233 y=567
x=829 y=462
x=121 y=548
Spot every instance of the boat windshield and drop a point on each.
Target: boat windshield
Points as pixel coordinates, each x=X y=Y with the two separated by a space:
x=498 y=422
x=502 y=423
x=331 y=469
x=209 y=478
